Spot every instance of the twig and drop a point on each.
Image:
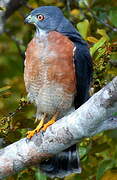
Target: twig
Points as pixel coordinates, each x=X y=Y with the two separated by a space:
x=7 y=118
x=17 y=42
x=9 y=6
x=102 y=22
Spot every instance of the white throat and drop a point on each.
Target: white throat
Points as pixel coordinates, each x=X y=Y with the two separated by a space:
x=40 y=33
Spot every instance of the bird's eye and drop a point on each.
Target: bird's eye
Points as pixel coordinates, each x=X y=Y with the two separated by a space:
x=40 y=17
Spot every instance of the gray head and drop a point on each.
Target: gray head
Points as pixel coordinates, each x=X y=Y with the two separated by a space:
x=51 y=18
x=45 y=18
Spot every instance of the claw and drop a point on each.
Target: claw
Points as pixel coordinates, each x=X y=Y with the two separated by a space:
x=52 y=121
x=42 y=126
x=30 y=134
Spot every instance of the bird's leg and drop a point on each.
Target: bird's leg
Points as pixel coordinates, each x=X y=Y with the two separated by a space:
x=30 y=134
x=52 y=121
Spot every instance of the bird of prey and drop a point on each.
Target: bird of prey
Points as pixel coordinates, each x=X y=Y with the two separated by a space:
x=57 y=77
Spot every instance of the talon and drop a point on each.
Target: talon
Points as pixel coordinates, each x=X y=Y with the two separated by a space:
x=30 y=134
x=52 y=121
x=48 y=124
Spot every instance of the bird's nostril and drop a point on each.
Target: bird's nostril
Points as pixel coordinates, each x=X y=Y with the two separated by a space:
x=27 y=19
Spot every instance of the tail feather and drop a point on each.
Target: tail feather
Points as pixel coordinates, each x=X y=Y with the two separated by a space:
x=62 y=164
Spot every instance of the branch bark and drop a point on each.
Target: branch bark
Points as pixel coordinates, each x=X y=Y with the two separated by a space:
x=96 y=115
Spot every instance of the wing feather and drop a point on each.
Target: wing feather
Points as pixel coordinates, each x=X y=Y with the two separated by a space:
x=83 y=68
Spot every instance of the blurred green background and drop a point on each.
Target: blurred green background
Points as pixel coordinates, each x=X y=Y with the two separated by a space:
x=96 y=20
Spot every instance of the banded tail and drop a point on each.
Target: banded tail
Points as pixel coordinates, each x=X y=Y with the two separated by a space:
x=62 y=164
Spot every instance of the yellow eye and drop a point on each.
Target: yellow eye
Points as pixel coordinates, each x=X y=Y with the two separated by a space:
x=40 y=17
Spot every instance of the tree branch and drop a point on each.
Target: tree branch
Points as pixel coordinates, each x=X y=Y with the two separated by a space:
x=113 y=62
x=99 y=113
x=9 y=7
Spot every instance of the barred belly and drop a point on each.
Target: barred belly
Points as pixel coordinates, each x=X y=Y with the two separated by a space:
x=51 y=98
x=49 y=74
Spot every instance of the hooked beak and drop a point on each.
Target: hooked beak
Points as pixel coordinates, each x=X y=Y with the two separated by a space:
x=29 y=19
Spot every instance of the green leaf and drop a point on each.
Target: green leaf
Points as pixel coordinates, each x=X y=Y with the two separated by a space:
x=83 y=3
x=96 y=46
x=101 y=53
x=83 y=28
x=2 y=8
x=103 y=33
x=113 y=16
x=40 y=176
x=71 y=177
x=82 y=151
x=115 y=114
x=104 y=166
x=4 y=89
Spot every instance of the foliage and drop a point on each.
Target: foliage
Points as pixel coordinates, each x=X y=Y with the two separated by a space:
x=96 y=21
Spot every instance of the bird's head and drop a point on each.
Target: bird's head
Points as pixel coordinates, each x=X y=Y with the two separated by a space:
x=45 y=18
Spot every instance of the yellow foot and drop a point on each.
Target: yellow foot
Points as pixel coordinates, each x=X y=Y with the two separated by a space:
x=52 y=121
x=30 y=134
